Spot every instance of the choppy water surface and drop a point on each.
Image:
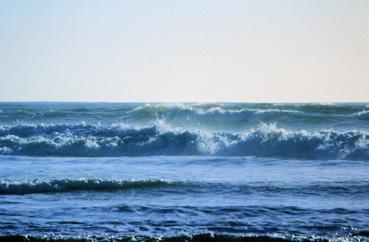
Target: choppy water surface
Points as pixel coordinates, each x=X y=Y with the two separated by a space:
x=113 y=170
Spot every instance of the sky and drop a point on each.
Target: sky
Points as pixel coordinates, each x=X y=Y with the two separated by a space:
x=180 y=51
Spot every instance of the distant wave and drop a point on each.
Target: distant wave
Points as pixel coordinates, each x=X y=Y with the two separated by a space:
x=264 y=141
x=257 y=108
x=363 y=114
x=255 y=112
x=182 y=109
x=216 y=113
x=18 y=187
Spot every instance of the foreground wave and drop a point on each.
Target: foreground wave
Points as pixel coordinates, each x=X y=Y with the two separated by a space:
x=263 y=141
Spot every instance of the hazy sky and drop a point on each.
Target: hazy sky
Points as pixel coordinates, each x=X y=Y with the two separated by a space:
x=185 y=50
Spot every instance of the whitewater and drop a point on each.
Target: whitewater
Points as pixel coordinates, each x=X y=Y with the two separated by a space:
x=184 y=171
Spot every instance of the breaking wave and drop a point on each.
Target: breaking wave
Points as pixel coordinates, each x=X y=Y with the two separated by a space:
x=263 y=141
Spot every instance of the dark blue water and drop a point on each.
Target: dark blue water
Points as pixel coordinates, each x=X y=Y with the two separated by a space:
x=114 y=170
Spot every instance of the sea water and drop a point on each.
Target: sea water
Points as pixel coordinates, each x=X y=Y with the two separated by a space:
x=113 y=170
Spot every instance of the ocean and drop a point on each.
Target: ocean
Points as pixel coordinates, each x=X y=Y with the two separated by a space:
x=184 y=171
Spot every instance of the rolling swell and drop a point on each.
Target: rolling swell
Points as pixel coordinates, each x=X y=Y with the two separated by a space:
x=18 y=187
x=109 y=141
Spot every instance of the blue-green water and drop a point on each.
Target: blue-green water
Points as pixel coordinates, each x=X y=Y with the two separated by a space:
x=98 y=169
